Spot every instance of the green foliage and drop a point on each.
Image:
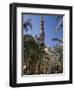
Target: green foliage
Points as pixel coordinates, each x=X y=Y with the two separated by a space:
x=59 y=51
x=33 y=53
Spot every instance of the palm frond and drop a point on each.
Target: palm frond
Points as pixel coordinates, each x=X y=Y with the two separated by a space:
x=59 y=40
x=27 y=25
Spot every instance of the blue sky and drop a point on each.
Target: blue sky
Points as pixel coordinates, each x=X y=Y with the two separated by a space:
x=50 y=24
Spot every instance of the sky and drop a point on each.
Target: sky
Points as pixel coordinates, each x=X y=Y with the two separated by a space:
x=50 y=24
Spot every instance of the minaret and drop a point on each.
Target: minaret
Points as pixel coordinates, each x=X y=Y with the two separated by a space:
x=42 y=34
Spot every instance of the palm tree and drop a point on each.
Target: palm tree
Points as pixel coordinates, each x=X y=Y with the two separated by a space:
x=32 y=53
x=59 y=48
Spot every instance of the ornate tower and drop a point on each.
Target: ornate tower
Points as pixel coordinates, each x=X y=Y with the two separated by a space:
x=42 y=34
